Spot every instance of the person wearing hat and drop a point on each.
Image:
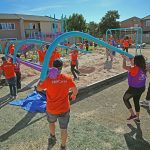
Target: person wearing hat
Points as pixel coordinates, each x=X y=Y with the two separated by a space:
x=58 y=105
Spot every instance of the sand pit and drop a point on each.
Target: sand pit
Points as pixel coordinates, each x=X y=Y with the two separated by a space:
x=91 y=66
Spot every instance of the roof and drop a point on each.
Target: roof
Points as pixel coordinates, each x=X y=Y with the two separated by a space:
x=25 y=17
x=131 y=18
x=147 y=17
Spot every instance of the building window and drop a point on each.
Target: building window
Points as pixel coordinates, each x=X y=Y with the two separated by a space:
x=54 y=26
x=147 y=23
x=136 y=25
x=32 y=26
x=7 y=26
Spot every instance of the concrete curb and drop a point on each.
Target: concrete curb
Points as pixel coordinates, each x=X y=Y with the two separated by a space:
x=96 y=87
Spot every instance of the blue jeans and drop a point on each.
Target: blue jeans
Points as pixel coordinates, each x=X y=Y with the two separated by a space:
x=12 y=86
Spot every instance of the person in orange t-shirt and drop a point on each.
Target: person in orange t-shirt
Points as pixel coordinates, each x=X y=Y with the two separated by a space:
x=121 y=43
x=136 y=81
x=58 y=105
x=55 y=55
x=41 y=55
x=126 y=44
x=74 y=63
x=9 y=71
x=11 y=49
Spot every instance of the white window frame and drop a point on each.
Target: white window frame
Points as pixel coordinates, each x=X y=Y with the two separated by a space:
x=8 y=26
x=147 y=23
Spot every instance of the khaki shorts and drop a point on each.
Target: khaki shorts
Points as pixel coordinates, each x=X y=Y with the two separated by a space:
x=63 y=119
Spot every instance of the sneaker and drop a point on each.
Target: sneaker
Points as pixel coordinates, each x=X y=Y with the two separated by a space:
x=51 y=142
x=63 y=147
x=132 y=117
x=137 y=120
x=14 y=97
x=144 y=103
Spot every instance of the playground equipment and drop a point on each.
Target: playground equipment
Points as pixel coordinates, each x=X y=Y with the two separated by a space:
x=33 y=41
x=75 y=34
x=137 y=30
x=55 y=43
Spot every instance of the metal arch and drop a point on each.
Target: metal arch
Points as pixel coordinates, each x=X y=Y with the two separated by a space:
x=33 y=41
x=7 y=46
x=30 y=41
x=129 y=29
x=74 y=34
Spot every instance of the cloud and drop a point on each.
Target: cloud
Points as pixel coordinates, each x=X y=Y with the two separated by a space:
x=44 y=8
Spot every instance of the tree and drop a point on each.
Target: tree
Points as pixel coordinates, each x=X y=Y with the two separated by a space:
x=93 y=29
x=109 y=21
x=76 y=22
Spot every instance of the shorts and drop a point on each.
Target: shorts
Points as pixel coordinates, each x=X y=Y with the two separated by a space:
x=63 y=119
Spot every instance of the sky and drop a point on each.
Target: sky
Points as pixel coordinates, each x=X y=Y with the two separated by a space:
x=92 y=10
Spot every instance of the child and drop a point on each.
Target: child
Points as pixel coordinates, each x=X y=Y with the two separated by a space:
x=9 y=71
x=136 y=82
x=18 y=73
x=74 y=63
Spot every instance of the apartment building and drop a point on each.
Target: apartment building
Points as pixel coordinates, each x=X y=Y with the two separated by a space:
x=19 y=26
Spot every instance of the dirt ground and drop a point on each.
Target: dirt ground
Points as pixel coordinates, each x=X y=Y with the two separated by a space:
x=97 y=122
x=93 y=67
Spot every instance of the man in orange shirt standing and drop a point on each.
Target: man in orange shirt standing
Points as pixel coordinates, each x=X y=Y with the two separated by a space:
x=58 y=105
x=74 y=63
x=9 y=71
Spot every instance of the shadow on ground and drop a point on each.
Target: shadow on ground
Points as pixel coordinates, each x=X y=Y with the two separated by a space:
x=147 y=109
x=135 y=140
x=23 y=123
x=85 y=92
x=5 y=99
